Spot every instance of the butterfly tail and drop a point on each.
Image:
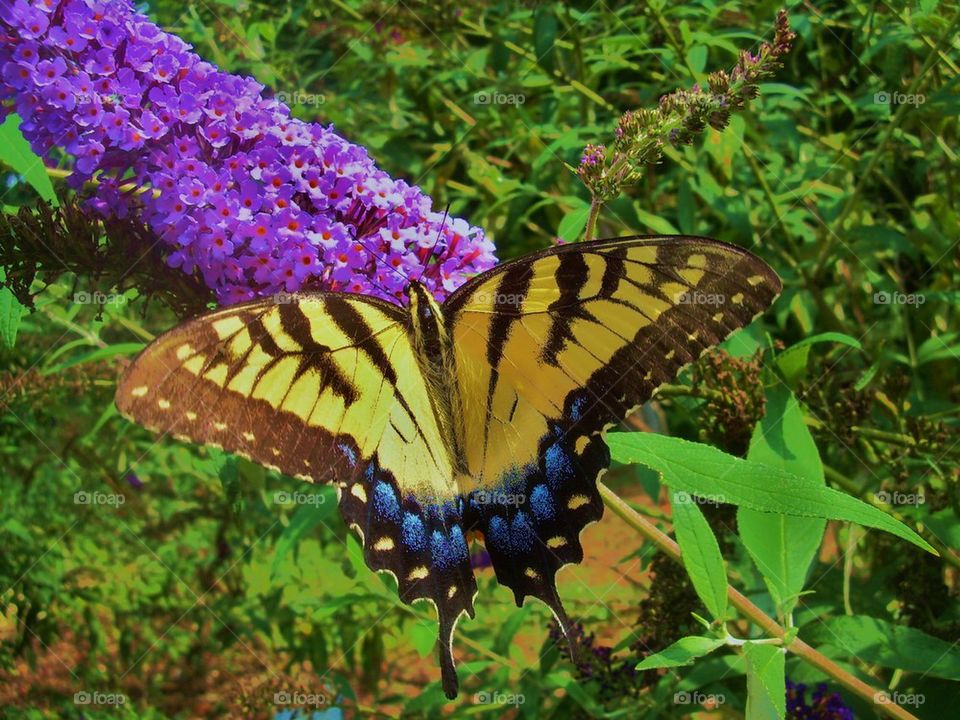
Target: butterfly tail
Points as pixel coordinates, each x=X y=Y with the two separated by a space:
x=568 y=629
x=448 y=618
x=448 y=614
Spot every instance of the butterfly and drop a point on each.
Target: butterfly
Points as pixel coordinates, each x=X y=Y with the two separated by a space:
x=484 y=414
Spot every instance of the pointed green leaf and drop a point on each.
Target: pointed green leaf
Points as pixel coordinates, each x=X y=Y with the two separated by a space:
x=894 y=646
x=573 y=223
x=700 y=554
x=308 y=516
x=654 y=222
x=683 y=652
x=766 y=681
x=783 y=547
x=423 y=635
x=15 y=151
x=544 y=36
x=11 y=312
x=708 y=472
x=793 y=360
x=104 y=353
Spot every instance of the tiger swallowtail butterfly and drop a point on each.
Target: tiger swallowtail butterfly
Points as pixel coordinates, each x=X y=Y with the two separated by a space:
x=485 y=413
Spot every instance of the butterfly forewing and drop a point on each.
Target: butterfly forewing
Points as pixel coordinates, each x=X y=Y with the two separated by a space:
x=553 y=348
x=327 y=388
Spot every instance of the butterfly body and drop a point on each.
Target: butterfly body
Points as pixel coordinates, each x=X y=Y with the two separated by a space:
x=434 y=348
x=484 y=413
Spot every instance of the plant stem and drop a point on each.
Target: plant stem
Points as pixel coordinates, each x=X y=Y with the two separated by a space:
x=595 y=206
x=798 y=647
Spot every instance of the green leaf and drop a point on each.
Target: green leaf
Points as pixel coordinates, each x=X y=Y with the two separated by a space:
x=573 y=224
x=946 y=526
x=544 y=36
x=700 y=554
x=104 y=353
x=708 y=472
x=430 y=697
x=582 y=697
x=743 y=343
x=766 y=681
x=655 y=223
x=355 y=555
x=867 y=376
x=11 y=312
x=793 y=361
x=697 y=59
x=306 y=518
x=15 y=151
x=893 y=646
x=939 y=347
x=423 y=635
x=683 y=652
x=783 y=547
x=509 y=629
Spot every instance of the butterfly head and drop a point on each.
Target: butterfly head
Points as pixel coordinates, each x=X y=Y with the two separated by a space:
x=423 y=306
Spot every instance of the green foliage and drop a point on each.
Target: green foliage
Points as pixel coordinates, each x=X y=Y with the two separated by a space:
x=200 y=594
x=683 y=652
x=16 y=153
x=701 y=554
x=891 y=646
x=11 y=311
x=766 y=687
x=783 y=546
x=702 y=471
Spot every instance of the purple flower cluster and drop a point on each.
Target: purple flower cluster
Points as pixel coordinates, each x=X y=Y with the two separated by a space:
x=616 y=678
x=253 y=200
x=823 y=705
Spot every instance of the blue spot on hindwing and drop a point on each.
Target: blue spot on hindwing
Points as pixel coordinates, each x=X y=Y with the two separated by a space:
x=522 y=534
x=414 y=536
x=577 y=407
x=499 y=533
x=448 y=551
x=458 y=542
x=350 y=455
x=385 y=501
x=559 y=467
x=541 y=500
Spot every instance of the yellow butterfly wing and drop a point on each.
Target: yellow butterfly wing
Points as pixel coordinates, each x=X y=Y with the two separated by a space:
x=553 y=348
x=326 y=388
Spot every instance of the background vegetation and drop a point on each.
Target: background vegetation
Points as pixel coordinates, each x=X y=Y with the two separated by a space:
x=203 y=593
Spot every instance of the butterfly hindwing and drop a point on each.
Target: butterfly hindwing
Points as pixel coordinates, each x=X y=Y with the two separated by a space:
x=573 y=339
x=326 y=388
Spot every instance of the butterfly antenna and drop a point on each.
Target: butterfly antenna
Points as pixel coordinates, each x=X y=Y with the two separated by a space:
x=383 y=262
x=436 y=242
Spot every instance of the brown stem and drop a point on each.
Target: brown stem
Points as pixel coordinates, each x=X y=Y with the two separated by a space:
x=595 y=205
x=798 y=647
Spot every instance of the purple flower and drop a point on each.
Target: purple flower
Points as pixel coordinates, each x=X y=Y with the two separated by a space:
x=240 y=194
x=823 y=705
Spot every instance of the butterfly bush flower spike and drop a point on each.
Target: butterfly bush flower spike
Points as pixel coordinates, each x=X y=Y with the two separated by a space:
x=241 y=194
x=680 y=116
